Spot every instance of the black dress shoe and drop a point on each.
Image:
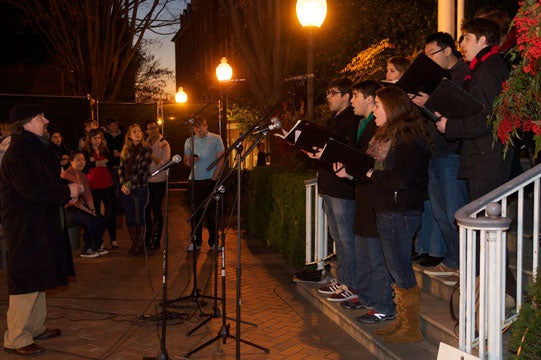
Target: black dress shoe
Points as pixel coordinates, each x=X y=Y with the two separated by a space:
x=32 y=349
x=418 y=257
x=48 y=334
x=431 y=261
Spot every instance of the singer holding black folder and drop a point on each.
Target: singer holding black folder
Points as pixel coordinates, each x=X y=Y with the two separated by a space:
x=339 y=195
x=438 y=240
x=397 y=183
x=207 y=148
x=482 y=162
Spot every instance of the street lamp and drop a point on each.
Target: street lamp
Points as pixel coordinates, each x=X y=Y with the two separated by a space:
x=311 y=14
x=181 y=96
x=224 y=72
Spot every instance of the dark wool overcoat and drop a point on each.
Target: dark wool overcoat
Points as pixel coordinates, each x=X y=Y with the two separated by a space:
x=32 y=195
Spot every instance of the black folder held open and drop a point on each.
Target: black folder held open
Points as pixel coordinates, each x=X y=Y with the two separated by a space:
x=306 y=135
x=356 y=162
x=451 y=101
x=422 y=75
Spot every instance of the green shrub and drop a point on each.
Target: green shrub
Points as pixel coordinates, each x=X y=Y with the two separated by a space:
x=275 y=209
x=526 y=335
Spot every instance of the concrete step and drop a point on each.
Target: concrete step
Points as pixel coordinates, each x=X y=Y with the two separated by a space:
x=436 y=325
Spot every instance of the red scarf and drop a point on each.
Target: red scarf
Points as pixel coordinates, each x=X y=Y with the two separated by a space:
x=473 y=64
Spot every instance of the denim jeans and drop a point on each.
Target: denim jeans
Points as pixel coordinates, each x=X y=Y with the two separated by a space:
x=134 y=206
x=107 y=197
x=447 y=195
x=430 y=239
x=373 y=279
x=396 y=231
x=340 y=213
x=94 y=227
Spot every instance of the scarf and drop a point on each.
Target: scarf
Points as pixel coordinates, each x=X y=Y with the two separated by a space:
x=378 y=150
x=478 y=60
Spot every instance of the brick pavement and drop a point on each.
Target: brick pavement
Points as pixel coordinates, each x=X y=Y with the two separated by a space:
x=103 y=311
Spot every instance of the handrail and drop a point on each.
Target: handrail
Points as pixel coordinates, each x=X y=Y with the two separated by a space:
x=482 y=309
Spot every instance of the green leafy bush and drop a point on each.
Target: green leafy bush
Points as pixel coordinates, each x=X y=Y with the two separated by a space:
x=526 y=335
x=275 y=209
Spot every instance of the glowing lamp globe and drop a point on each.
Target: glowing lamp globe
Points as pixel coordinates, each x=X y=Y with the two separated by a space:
x=181 y=96
x=224 y=71
x=311 y=12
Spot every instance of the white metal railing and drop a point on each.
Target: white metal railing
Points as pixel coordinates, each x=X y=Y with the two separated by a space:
x=317 y=249
x=480 y=222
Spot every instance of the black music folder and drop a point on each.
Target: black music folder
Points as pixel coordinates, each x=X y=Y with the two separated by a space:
x=451 y=101
x=356 y=162
x=306 y=135
x=422 y=75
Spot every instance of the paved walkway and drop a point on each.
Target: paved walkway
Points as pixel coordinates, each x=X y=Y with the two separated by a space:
x=104 y=312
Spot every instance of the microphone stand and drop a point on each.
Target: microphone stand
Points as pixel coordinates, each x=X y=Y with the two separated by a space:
x=224 y=330
x=162 y=354
x=195 y=294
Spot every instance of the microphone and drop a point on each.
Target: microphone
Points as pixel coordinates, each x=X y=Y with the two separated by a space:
x=174 y=160
x=275 y=124
x=188 y=122
x=299 y=77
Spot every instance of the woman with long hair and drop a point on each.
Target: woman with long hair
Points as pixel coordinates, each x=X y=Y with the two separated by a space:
x=396 y=186
x=60 y=149
x=134 y=171
x=98 y=170
x=83 y=211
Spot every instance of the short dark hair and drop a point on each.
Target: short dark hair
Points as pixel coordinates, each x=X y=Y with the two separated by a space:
x=483 y=27
x=199 y=120
x=444 y=40
x=111 y=121
x=367 y=87
x=342 y=84
x=147 y=123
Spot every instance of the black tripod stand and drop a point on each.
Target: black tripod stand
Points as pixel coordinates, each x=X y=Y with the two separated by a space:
x=223 y=333
x=217 y=195
x=224 y=330
x=196 y=293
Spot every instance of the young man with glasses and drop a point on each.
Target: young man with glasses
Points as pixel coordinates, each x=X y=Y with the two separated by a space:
x=438 y=236
x=339 y=195
x=161 y=153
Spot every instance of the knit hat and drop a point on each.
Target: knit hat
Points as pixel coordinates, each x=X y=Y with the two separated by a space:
x=23 y=113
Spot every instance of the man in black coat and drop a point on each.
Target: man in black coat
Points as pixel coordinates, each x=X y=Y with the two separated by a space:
x=32 y=195
x=481 y=158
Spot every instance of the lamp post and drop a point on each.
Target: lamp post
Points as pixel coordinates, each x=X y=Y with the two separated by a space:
x=311 y=14
x=224 y=72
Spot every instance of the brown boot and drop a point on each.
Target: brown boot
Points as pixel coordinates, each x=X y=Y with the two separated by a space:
x=132 y=230
x=408 y=313
x=395 y=325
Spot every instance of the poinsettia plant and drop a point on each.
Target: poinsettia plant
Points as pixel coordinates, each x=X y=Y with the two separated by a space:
x=517 y=110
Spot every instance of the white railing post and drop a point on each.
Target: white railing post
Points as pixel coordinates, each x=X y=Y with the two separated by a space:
x=316 y=239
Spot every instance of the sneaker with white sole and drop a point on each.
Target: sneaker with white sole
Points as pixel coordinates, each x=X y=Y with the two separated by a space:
x=439 y=270
x=102 y=251
x=354 y=304
x=89 y=254
x=331 y=288
x=373 y=317
x=342 y=294
x=197 y=247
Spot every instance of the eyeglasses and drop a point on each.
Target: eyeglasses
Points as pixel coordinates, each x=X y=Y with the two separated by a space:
x=333 y=92
x=153 y=127
x=437 y=51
